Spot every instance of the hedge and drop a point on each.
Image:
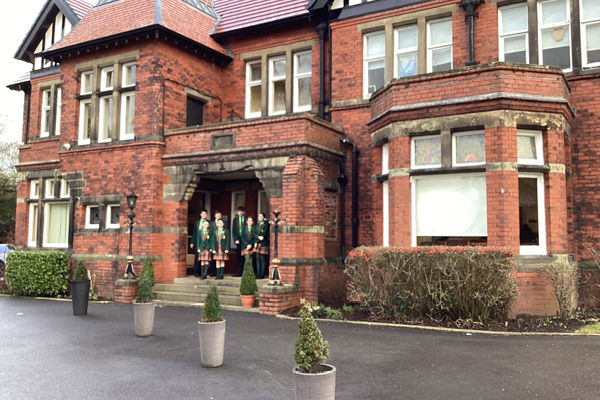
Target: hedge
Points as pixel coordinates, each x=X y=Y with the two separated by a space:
x=454 y=283
x=37 y=273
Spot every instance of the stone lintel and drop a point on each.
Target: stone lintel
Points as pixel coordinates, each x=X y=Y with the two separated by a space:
x=278 y=290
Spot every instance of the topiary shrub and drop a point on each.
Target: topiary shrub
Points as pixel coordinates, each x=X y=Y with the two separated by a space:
x=37 y=273
x=148 y=270
x=145 y=291
x=467 y=283
x=81 y=272
x=248 y=284
x=310 y=350
x=212 y=306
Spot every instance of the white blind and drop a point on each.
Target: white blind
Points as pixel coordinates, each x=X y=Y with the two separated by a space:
x=451 y=206
x=57 y=229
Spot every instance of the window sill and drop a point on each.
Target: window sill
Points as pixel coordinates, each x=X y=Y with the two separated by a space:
x=453 y=170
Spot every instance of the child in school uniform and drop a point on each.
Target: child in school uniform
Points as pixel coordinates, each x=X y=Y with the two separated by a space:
x=221 y=251
x=205 y=246
x=261 y=245
x=248 y=239
x=197 y=228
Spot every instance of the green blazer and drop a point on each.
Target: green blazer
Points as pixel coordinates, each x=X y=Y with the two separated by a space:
x=264 y=232
x=197 y=228
x=223 y=239
x=235 y=228
x=207 y=243
x=247 y=238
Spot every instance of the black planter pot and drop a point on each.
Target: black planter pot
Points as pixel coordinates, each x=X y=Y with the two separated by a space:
x=80 y=293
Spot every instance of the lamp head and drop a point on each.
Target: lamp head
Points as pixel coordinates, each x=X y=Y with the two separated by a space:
x=131 y=200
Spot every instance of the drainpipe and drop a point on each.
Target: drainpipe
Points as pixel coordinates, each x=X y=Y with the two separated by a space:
x=343 y=181
x=355 y=153
x=321 y=30
x=469 y=6
x=329 y=75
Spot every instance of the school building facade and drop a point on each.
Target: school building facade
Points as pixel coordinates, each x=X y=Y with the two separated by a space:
x=365 y=122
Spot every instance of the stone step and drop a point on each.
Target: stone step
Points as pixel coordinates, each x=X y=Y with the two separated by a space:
x=200 y=288
x=232 y=300
x=171 y=303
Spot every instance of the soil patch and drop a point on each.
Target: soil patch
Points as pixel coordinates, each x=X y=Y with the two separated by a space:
x=527 y=324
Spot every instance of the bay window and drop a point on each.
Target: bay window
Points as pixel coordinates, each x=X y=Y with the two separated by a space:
x=555 y=33
x=468 y=148
x=513 y=32
x=590 y=32
x=439 y=45
x=277 y=75
x=529 y=147
x=374 y=63
x=49 y=213
x=426 y=152
x=56 y=223
x=407 y=51
x=302 y=81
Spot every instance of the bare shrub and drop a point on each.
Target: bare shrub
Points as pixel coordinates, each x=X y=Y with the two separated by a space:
x=564 y=278
x=332 y=284
x=456 y=283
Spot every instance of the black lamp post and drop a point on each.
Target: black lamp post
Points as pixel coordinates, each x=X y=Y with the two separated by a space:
x=131 y=200
x=275 y=279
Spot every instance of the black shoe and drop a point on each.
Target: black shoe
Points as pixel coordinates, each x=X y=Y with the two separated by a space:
x=237 y=275
x=202 y=278
x=197 y=276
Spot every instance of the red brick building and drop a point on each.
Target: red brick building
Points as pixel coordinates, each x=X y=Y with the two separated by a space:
x=459 y=129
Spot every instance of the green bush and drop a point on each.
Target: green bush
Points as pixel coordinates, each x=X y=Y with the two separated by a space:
x=310 y=350
x=148 y=269
x=145 y=294
x=468 y=283
x=37 y=273
x=248 y=284
x=81 y=272
x=212 y=306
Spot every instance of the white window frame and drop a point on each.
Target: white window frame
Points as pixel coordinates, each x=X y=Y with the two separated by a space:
x=525 y=32
x=110 y=225
x=49 y=186
x=469 y=133
x=57 y=120
x=539 y=147
x=82 y=104
x=124 y=135
x=85 y=77
x=412 y=152
x=386 y=213
x=123 y=69
x=250 y=84
x=566 y=25
x=366 y=61
x=584 y=24
x=385 y=159
x=32 y=226
x=46 y=98
x=33 y=185
x=105 y=72
x=65 y=190
x=397 y=52
x=101 y=119
x=87 y=217
x=272 y=81
x=430 y=48
x=46 y=227
x=297 y=77
x=541 y=248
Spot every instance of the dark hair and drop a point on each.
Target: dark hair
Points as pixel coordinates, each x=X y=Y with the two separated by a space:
x=240 y=208
x=204 y=210
x=263 y=214
x=218 y=212
x=248 y=218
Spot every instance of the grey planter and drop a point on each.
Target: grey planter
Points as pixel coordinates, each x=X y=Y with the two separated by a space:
x=143 y=315
x=212 y=343
x=79 y=295
x=319 y=386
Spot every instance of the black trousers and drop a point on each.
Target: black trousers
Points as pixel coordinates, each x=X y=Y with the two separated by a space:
x=212 y=271
x=197 y=269
x=240 y=259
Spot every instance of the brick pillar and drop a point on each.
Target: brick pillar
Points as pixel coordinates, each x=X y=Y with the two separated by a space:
x=400 y=192
x=502 y=181
x=126 y=290
x=555 y=193
x=173 y=244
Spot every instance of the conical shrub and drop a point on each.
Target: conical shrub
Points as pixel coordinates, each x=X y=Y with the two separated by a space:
x=212 y=306
x=81 y=272
x=248 y=284
x=145 y=291
x=148 y=270
x=310 y=350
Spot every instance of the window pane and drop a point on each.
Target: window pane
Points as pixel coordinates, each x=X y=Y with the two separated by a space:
x=592 y=34
x=94 y=217
x=130 y=75
x=255 y=72
x=304 y=98
x=278 y=96
x=304 y=63
x=34 y=223
x=58 y=224
x=46 y=121
x=441 y=59
x=591 y=9
x=514 y=19
x=114 y=215
x=106 y=117
x=428 y=152
x=86 y=83
x=255 y=95
x=470 y=149
x=108 y=79
x=515 y=49
x=441 y=32
x=130 y=113
x=407 y=38
x=376 y=75
x=407 y=64
x=46 y=98
x=376 y=45
x=87 y=120
x=279 y=68
x=58 y=110
x=554 y=12
x=556 y=47
x=526 y=149
x=195 y=112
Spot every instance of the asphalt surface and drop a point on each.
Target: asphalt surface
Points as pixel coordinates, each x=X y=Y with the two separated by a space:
x=47 y=353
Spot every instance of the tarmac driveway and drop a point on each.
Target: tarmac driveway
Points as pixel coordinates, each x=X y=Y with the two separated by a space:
x=47 y=353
